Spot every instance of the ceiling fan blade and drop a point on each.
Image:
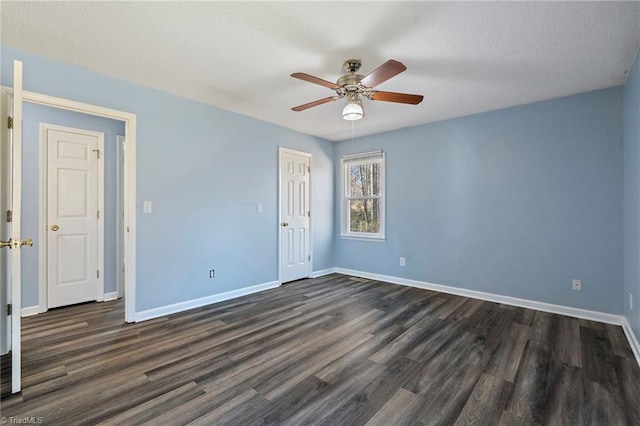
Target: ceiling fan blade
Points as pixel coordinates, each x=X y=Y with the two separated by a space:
x=315 y=103
x=384 y=72
x=401 y=98
x=316 y=80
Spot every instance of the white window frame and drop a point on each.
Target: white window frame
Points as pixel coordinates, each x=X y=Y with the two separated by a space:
x=362 y=158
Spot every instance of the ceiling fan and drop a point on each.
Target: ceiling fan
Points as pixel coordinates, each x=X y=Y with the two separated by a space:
x=354 y=86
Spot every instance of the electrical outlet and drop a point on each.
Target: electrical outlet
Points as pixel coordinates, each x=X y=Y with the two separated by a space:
x=259 y=208
x=212 y=273
x=631 y=301
x=403 y=261
x=576 y=285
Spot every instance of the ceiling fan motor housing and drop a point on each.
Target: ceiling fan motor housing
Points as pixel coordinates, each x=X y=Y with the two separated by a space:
x=350 y=82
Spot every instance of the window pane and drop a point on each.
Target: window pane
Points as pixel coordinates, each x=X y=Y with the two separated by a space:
x=364 y=216
x=364 y=180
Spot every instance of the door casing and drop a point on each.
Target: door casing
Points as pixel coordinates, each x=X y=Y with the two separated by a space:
x=5 y=202
x=120 y=141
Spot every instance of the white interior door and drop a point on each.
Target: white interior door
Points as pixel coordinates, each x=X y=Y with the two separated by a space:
x=73 y=216
x=295 y=215
x=11 y=160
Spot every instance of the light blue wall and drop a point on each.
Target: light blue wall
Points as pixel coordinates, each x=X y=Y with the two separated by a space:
x=516 y=202
x=204 y=169
x=33 y=115
x=632 y=195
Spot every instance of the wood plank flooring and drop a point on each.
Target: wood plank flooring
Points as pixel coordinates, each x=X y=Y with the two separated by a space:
x=333 y=350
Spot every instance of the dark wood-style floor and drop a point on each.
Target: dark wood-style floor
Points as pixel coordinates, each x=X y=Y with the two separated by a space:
x=332 y=350
x=5 y=375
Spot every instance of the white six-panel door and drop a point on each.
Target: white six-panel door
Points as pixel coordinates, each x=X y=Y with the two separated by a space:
x=73 y=217
x=295 y=212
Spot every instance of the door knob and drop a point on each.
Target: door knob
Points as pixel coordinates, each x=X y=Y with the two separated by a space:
x=28 y=242
x=5 y=244
x=285 y=224
x=54 y=227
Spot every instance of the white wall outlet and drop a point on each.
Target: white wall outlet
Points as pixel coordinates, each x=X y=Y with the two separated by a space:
x=146 y=207
x=576 y=285
x=631 y=301
x=259 y=208
x=403 y=261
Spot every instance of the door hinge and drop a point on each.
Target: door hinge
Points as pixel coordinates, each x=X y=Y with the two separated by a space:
x=97 y=151
x=9 y=309
x=309 y=213
x=10 y=122
x=98 y=273
x=98 y=214
x=309 y=169
x=309 y=257
x=9 y=216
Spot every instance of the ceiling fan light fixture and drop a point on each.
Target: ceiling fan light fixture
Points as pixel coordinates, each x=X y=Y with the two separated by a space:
x=353 y=111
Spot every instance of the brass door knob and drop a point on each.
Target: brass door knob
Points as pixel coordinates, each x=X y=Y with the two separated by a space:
x=28 y=242
x=54 y=228
x=5 y=244
x=285 y=224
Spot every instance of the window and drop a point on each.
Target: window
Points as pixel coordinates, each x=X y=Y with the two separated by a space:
x=363 y=195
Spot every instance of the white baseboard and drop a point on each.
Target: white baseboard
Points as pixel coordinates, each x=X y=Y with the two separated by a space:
x=110 y=296
x=30 y=311
x=203 y=301
x=633 y=340
x=491 y=297
x=322 y=272
x=35 y=310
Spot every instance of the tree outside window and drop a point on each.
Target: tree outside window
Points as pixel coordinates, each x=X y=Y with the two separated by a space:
x=363 y=195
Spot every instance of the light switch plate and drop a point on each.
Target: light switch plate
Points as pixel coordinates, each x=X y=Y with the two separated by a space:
x=146 y=207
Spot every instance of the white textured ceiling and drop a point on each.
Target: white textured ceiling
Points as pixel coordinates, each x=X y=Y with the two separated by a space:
x=465 y=58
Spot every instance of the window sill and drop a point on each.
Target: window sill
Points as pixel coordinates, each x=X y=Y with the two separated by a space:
x=363 y=238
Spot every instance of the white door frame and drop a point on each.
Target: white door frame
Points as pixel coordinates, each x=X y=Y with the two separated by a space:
x=43 y=208
x=282 y=150
x=120 y=142
x=129 y=181
x=5 y=202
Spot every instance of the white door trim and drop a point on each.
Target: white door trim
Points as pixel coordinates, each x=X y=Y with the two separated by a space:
x=42 y=221
x=282 y=150
x=129 y=180
x=120 y=141
x=5 y=202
